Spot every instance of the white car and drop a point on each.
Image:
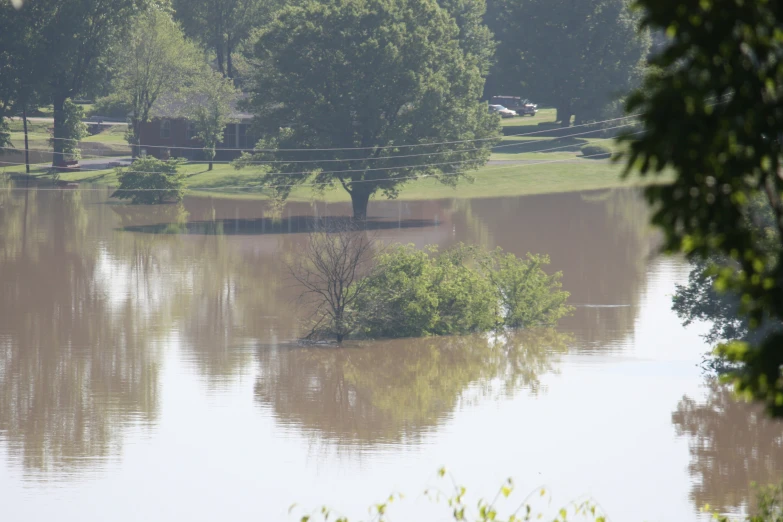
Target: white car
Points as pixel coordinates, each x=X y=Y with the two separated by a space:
x=504 y=113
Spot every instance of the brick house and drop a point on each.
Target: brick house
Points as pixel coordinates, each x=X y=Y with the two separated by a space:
x=169 y=135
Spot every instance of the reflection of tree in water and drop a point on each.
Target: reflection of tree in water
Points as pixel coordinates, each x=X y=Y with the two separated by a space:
x=731 y=444
x=74 y=367
x=388 y=390
x=217 y=288
x=600 y=241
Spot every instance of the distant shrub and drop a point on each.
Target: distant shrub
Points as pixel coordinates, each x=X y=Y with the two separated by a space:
x=5 y=133
x=73 y=131
x=111 y=106
x=596 y=152
x=149 y=181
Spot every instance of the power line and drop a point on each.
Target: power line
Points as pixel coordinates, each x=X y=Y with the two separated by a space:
x=349 y=182
x=375 y=148
x=94 y=156
x=399 y=167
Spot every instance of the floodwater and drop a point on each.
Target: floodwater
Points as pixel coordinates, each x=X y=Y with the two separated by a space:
x=147 y=371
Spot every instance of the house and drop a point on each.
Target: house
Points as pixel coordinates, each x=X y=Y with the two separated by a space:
x=170 y=135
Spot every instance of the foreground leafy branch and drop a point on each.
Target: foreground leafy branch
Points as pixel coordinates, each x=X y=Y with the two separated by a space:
x=455 y=497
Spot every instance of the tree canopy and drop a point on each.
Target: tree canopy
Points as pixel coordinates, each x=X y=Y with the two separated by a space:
x=222 y=25
x=209 y=106
x=373 y=88
x=713 y=114
x=155 y=59
x=575 y=56
x=68 y=49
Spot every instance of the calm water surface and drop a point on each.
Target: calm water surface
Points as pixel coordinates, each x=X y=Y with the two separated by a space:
x=147 y=370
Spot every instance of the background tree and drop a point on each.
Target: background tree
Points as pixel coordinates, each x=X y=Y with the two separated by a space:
x=575 y=56
x=209 y=107
x=370 y=78
x=22 y=65
x=222 y=25
x=75 y=38
x=713 y=113
x=474 y=35
x=155 y=59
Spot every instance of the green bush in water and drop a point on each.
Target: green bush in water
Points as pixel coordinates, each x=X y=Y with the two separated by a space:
x=528 y=296
x=149 y=181
x=414 y=293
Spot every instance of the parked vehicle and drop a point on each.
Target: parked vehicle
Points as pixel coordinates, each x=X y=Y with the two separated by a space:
x=520 y=106
x=504 y=112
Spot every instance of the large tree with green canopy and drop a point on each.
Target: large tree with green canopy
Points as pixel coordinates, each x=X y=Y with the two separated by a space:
x=372 y=89
x=713 y=114
x=577 y=56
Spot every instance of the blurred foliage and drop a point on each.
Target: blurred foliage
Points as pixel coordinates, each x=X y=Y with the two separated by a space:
x=712 y=111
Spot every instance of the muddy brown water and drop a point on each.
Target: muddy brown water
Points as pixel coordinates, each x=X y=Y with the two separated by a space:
x=147 y=370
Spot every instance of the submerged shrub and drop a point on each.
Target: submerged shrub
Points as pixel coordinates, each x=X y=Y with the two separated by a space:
x=529 y=296
x=149 y=181
x=413 y=293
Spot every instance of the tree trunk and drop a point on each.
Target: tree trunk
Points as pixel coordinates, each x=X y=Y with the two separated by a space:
x=136 y=138
x=359 y=200
x=210 y=165
x=219 y=53
x=564 y=115
x=229 y=62
x=58 y=145
x=26 y=146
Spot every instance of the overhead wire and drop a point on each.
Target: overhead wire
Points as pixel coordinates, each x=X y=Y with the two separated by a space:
x=349 y=182
x=398 y=167
x=522 y=144
x=324 y=149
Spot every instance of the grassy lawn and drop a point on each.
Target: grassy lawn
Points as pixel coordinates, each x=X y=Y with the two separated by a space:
x=543 y=116
x=491 y=181
x=111 y=134
x=109 y=142
x=544 y=165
